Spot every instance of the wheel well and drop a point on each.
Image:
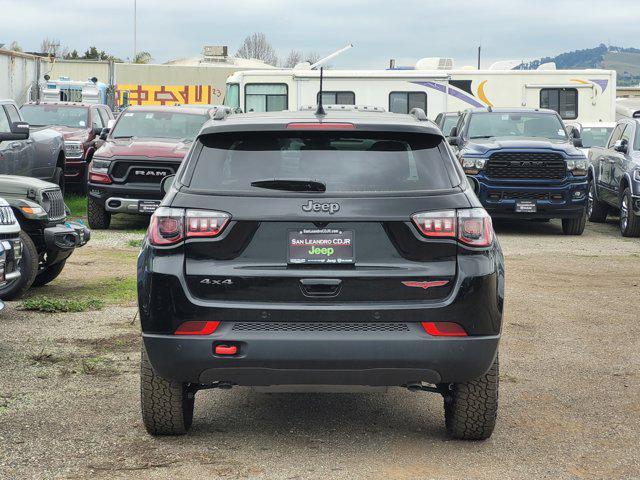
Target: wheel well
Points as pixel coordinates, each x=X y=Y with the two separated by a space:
x=61 y=160
x=624 y=183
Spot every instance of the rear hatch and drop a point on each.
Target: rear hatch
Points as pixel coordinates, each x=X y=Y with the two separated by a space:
x=321 y=217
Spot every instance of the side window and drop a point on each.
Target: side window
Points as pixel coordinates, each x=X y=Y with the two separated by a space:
x=615 y=136
x=104 y=116
x=404 y=102
x=96 y=120
x=562 y=100
x=5 y=127
x=266 y=97
x=337 y=98
x=12 y=113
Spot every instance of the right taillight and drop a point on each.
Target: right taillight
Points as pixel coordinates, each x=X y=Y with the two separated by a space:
x=170 y=226
x=470 y=226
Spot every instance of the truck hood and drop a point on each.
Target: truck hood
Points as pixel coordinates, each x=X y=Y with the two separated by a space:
x=489 y=145
x=16 y=185
x=144 y=147
x=70 y=133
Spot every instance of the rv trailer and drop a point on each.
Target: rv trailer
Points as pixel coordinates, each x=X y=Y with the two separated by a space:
x=434 y=86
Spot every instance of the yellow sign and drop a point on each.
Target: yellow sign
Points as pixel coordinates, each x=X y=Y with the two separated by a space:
x=130 y=94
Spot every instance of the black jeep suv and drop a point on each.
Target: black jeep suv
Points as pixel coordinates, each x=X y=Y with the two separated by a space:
x=299 y=250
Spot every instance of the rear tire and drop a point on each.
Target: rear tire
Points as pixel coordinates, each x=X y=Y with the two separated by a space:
x=28 y=271
x=49 y=274
x=167 y=407
x=98 y=217
x=596 y=210
x=629 y=221
x=471 y=408
x=574 y=226
x=58 y=179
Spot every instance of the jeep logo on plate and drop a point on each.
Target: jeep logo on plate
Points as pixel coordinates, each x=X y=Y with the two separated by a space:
x=150 y=173
x=329 y=208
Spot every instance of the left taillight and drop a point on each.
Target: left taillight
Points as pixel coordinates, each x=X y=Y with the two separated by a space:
x=170 y=226
x=471 y=226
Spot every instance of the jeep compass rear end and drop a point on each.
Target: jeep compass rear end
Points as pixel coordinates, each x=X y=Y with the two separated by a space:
x=305 y=250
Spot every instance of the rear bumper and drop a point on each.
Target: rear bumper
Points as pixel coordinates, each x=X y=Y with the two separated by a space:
x=372 y=358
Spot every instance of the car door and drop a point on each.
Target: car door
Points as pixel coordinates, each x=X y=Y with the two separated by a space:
x=606 y=191
x=6 y=151
x=619 y=160
x=23 y=152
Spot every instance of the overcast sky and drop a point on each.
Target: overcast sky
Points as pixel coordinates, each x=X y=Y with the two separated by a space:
x=402 y=29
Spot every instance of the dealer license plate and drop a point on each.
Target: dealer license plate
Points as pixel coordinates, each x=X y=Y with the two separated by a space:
x=148 y=206
x=321 y=246
x=526 y=206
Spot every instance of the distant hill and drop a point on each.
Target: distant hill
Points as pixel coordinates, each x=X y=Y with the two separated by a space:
x=625 y=61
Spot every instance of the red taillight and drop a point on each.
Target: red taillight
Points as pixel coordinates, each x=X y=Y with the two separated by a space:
x=99 y=178
x=444 y=329
x=197 y=328
x=320 y=126
x=172 y=225
x=470 y=226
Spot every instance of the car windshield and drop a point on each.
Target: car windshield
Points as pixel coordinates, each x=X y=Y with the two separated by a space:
x=158 y=124
x=333 y=162
x=42 y=115
x=595 y=136
x=450 y=121
x=497 y=124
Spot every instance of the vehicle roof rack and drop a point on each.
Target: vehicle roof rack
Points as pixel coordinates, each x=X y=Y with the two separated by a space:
x=346 y=108
x=419 y=114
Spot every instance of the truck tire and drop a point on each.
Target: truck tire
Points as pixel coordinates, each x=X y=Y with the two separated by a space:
x=28 y=271
x=471 y=408
x=629 y=221
x=58 y=179
x=167 y=407
x=596 y=210
x=574 y=226
x=49 y=274
x=98 y=217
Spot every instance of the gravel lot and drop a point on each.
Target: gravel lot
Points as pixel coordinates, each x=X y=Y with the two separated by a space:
x=570 y=387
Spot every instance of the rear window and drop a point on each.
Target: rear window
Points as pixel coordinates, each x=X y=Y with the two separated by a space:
x=346 y=162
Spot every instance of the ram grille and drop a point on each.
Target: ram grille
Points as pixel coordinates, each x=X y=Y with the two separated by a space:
x=530 y=165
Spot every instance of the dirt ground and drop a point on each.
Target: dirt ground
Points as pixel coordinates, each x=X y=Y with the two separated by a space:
x=569 y=393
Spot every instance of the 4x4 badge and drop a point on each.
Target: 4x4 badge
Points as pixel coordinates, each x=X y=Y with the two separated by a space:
x=326 y=207
x=211 y=281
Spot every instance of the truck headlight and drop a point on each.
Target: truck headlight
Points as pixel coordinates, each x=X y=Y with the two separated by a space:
x=578 y=167
x=472 y=166
x=73 y=149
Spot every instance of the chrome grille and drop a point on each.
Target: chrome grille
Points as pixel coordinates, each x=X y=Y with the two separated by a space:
x=533 y=165
x=53 y=203
x=319 y=327
x=6 y=216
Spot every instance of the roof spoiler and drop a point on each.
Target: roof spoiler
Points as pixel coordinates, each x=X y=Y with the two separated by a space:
x=419 y=114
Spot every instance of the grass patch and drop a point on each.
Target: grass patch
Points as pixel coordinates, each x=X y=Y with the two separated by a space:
x=135 y=243
x=111 y=290
x=57 y=305
x=77 y=204
x=98 y=366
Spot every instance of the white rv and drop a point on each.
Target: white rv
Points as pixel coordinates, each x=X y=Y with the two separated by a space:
x=433 y=85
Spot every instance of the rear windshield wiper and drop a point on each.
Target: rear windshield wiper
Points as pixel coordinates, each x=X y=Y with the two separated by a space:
x=481 y=136
x=290 y=185
x=125 y=136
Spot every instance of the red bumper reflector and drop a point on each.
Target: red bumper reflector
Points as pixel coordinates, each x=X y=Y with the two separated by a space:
x=444 y=329
x=197 y=328
x=226 y=350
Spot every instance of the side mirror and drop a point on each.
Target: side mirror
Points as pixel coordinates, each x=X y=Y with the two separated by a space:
x=166 y=183
x=104 y=133
x=577 y=142
x=19 y=131
x=620 y=146
x=97 y=130
x=453 y=132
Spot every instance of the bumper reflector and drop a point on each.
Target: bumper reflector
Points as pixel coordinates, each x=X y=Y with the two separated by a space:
x=197 y=328
x=226 y=350
x=444 y=329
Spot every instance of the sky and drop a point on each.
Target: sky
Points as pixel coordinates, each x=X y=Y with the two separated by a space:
x=405 y=30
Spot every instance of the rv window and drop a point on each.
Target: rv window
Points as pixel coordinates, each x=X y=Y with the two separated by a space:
x=562 y=100
x=266 y=97
x=232 y=98
x=404 y=102
x=337 y=98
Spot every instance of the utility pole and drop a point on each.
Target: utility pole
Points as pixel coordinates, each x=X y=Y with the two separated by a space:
x=479 y=53
x=135 y=33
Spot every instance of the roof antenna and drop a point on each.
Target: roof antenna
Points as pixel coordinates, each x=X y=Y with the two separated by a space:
x=320 y=110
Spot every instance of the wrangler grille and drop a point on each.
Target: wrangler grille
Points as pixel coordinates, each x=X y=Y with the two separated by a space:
x=53 y=204
x=319 y=327
x=533 y=165
x=6 y=216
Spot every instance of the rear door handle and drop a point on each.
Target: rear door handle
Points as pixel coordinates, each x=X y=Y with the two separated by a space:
x=320 y=287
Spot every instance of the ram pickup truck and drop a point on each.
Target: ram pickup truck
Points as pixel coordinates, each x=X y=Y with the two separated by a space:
x=80 y=125
x=614 y=177
x=145 y=145
x=37 y=152
x=523 y=165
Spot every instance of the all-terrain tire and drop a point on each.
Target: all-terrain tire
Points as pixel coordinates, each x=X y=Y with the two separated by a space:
x=58 y=179
x=49 y=274
x=574 y=226
x=596 y=210
x=98 y=217
x=629 y=221
x=28 y=271
x=471 y=408
x=167 y=407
